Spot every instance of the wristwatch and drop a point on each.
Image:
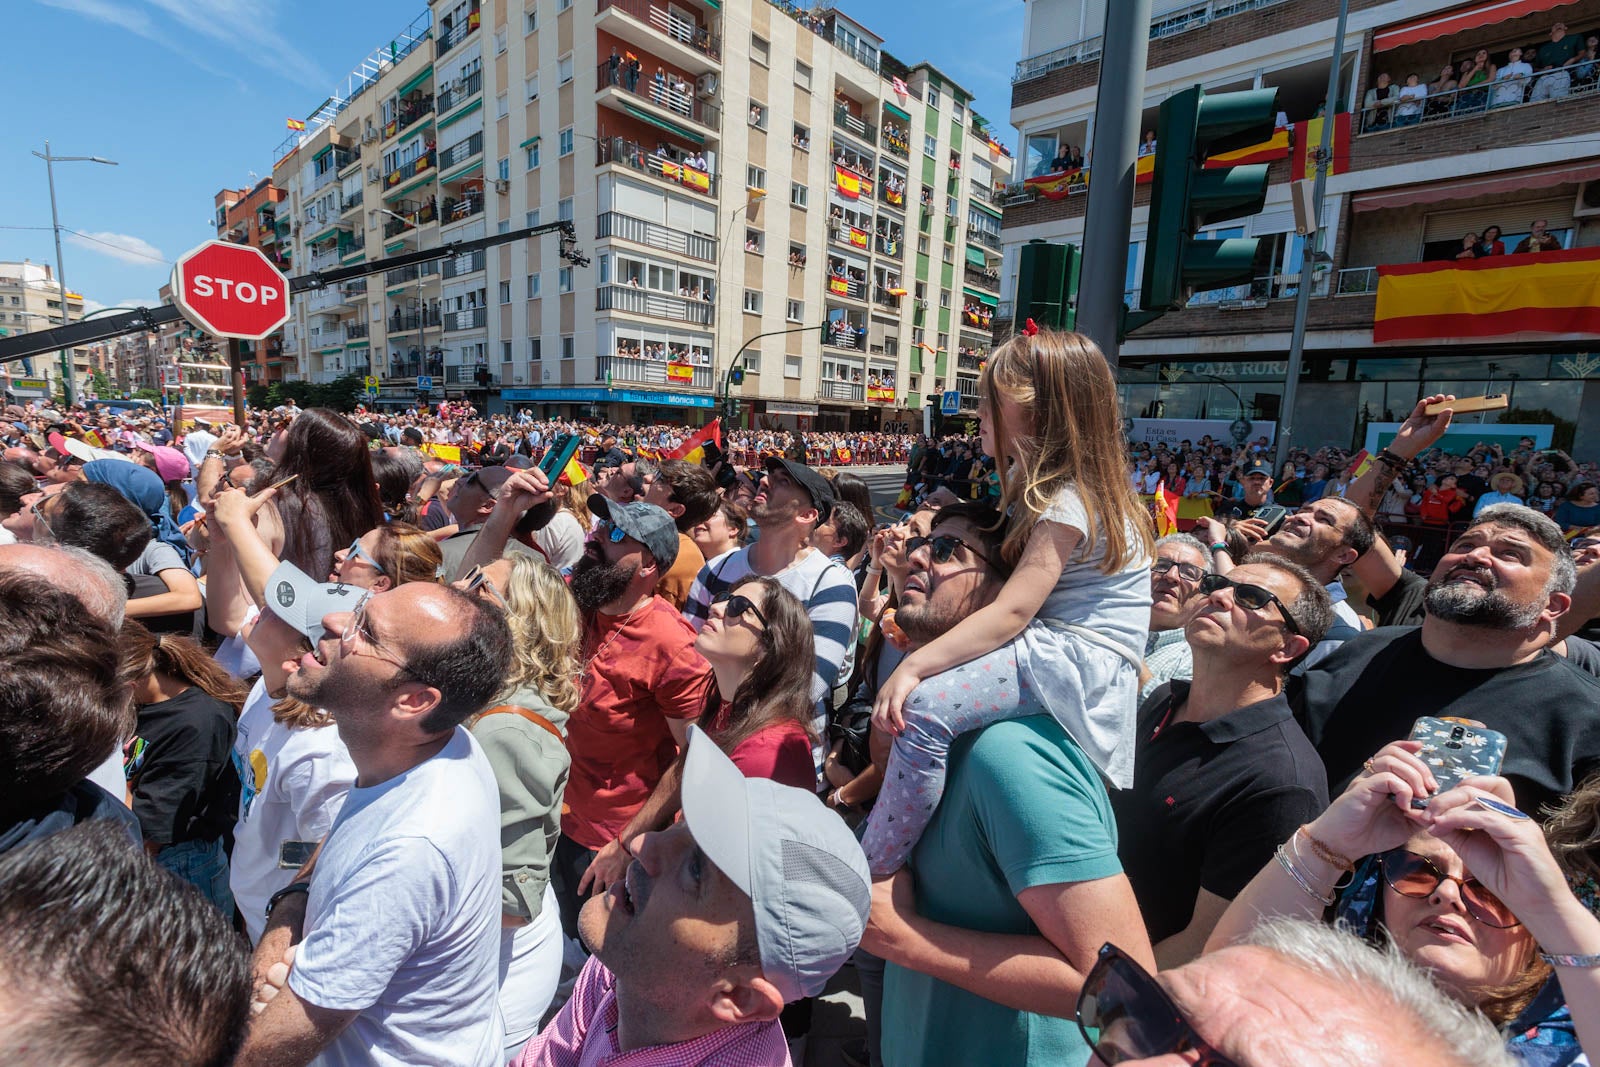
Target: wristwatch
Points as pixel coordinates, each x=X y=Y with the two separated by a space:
x=288 y=890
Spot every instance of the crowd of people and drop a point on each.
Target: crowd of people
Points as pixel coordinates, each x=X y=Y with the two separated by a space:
x=322 y=748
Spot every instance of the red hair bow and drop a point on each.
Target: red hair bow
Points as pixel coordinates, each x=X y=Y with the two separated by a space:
x=1030 y=328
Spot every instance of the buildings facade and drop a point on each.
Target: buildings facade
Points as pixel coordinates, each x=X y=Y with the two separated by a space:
x=30 y=301
x=250 y=217
x=1409 y=183
x=731 y=170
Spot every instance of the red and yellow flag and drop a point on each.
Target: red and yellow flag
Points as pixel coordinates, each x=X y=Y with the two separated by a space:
x=1308 y=137
x=1274 y=147
x=294 y=124
x=847 y=181
x=1359 y=463
x=1536 y=292
x=694 y=449
x=1166 y=506
x=1059 y=186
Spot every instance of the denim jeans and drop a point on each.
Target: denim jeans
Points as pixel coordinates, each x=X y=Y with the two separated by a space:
x=203 y=865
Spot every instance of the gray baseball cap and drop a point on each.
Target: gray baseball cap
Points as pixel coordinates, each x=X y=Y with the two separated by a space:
x=645 y=523
x=301 y=601
x=799 y=864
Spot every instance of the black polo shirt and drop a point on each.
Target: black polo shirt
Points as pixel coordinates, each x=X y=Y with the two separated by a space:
x=1210 y=802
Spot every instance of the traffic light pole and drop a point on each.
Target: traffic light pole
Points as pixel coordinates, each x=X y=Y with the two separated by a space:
x=738 y=357
x=1108 y=216
x=1302 y=296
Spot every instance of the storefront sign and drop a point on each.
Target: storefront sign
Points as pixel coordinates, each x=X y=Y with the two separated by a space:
x=783 y=407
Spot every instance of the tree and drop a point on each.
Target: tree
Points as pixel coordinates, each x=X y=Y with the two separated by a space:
x=1561 y=437
x=101 y=385
x=153 y=395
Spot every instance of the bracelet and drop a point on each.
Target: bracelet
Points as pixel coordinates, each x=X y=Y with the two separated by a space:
x=212 y=453
x=1556 y=959
x=1388 y=458
x=1300 y=880
x=1220 y=546
x=288 y=890
x=1326 y=854
x=1350 y=873
x=873 y=568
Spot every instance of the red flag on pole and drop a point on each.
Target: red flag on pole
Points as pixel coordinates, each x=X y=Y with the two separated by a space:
x=693 y=449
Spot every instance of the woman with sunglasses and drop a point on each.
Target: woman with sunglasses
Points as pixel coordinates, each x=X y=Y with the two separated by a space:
x=388 y=556
x=1466 y=888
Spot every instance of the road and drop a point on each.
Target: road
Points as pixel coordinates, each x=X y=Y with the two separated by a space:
x=884 y=481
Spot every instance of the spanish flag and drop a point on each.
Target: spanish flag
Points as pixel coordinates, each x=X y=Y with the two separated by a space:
x=1059 y=186
x=1536 y=292
x=1166 y=507
x=694 y=449
x=1144 y=169
x=1359 y=464
x=294 y=124
x=1308 y=138
x=847 y=181
x=574 y=474
x=1274 y=147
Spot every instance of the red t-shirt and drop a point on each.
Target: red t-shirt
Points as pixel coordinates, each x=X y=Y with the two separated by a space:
x=642 y=670
x=781 y=752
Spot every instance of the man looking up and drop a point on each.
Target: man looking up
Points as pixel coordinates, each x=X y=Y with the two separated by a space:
x=687 y=492
x=471 y=502
x=1181 y=561
x=395 y=923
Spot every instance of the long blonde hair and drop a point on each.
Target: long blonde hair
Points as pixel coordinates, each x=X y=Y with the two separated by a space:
x=1063 y=379
x=545 y=633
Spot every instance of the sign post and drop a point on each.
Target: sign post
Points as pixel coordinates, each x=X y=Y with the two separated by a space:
x=231 y=291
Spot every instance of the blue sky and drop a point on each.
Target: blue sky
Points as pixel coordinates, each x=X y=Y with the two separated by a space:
x=190 y=96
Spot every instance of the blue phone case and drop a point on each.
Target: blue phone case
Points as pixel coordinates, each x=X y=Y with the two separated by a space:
x=1457 y=749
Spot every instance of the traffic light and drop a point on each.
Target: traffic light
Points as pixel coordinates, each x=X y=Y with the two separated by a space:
x=730 y=407
x=1188 y=195
x=1047 y=285
x=736 y=375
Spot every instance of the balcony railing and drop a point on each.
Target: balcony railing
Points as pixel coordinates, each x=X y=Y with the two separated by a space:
x=889 y=244
x=854 y=236
x=343 y=157
x=460 y=90
x=854 y=126
x=409 y=321
x=986 y=238
x=453 y=209
x=832 y=390
x=896 y=140
x=354 y=288
x=628 y=228
x=352 y=201
x=855 y=290
x=356 y=331
x=1169 y=22
x=400 y=275
x=415 y=213
x=1457 y=104
x=631 y=369
x=356 y=242
x=1355 y=281
x=466 y=319
x=659 y=18
x=633 y=154
x=448 y=39
x=659 y=305
x=417 y=166
x=674 y=92
x=456 y=266
x=412 y=109
x=852 y=337
x=982 y=279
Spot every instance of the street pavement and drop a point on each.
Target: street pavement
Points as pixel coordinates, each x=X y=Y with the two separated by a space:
x=885 y=482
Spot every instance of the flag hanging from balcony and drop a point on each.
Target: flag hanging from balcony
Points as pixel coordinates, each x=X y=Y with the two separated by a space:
x=1274 y=147
x=1144 y=169
x=294 y=124
x=847 y=181
x=1059 y=186
x=1539 y=292
x=680 y=373
x=694 y=449
x=900 y=88
x=838 y=285
x=858 y=237
x=1308 y=137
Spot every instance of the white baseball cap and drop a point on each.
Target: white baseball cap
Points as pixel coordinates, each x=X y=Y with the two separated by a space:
x=302 y=601
x=798 y=862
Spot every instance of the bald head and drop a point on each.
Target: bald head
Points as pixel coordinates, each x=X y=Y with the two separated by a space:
x=95 y=583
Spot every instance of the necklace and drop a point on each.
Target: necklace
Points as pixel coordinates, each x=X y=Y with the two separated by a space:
x=588 y=667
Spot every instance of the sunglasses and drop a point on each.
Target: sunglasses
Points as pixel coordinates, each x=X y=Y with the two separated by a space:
x=1125 y=1015
x=611 y=531
x=1415 y=876
x=1187 y=571
x=355 y=551
x=737 y=605
x=1253 y=597
x=943 y=547
x=478 y=578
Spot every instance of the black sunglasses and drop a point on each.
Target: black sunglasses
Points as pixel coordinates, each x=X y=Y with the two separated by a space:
x=1125 y=1015
x=1254 y=597
x=944 y=546
x=1415 y=876
x=738 y=604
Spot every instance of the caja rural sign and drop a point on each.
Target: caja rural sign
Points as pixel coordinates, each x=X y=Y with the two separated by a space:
x=231 y=290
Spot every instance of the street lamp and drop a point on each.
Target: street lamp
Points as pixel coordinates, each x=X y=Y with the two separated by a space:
x=55 y=224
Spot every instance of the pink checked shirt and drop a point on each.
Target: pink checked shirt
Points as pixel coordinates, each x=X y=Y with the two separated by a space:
x=584 y=1034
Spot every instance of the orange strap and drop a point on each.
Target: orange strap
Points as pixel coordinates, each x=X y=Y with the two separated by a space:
x=532 y=716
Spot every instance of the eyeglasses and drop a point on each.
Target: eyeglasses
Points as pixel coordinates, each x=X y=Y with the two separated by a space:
x=944 y=546
x=1415 y=876
x=1187 y=571
x=611 y=531
x=357 y=626
x=1253 y=597
x=1125 y=1015
x=355 y=551
x=42 y=532
x=737 y=605
x=478 y=578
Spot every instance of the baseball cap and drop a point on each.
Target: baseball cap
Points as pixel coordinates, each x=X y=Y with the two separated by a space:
x=1258 y=466
x=83 y=450
x=490 y=479
x=172 y=465
x=801 y=867
x=645 y=523
x=301 y=601
x=818 y=488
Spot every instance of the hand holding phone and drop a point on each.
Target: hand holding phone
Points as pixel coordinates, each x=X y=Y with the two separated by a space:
x=1464 y=405
x=1457 y=749
x=559 y=455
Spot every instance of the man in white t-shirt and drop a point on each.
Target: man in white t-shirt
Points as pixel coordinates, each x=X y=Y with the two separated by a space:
x=394 y=926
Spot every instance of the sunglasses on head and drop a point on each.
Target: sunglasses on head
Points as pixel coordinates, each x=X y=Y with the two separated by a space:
x=737 y=605
x=1187 y=571
x=1415 y=876
x=611 y=531
x=1126 y=1015
x=943 y=547
x=1253 y=597
x=478 y=578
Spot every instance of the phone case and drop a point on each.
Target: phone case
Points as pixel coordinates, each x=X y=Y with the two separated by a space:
x=561 y=451
x=1457 y=749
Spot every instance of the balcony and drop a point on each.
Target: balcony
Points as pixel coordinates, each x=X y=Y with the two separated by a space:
x=982 y=279
x=674 y=93
x=455 y=209
x=411 y=110
x=896 y=140
x=636 y=156
x=413 y=320
x=627 y=228
x=987 y=238
x=637 y=301
x=667 y=23
x=401 y=275
x=456 y=266
x=847 y=391
x=356 y=331
x=421 y=165
x=888 y=297
x=854 y=236
x=1460 y=105
x=352 y=201
x=843 y=333
x=460 y=91
x=634 y=371
x=460 y=152
x=414 y=213
x=355 y=288
x=891 y=189
x=889 y=244
x=1168 y=22
x=852 y=288
x=466 y=319
x=450 y=36
x=854 y=126
x=350 y=244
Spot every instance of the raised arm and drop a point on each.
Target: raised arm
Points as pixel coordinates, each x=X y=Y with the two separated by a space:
x=1420 y=431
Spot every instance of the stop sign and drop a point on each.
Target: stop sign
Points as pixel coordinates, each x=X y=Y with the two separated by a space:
x=231 y=290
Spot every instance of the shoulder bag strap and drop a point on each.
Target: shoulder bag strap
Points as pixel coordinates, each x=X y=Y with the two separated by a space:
x=529 y=714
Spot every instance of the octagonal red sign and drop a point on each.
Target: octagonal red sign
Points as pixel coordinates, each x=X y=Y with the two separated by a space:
x=231 y=290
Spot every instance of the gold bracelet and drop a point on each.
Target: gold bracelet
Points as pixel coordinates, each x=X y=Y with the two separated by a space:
x=1349 y=875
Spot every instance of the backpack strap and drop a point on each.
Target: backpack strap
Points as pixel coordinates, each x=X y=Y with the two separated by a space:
x=529 y=714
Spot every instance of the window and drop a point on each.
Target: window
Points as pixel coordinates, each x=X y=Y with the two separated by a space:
x=791 y=366
x=920 y=291
x=505 y=293
x=797 y=254
x=503 y=226
x=603 y=267
x=499 y=40
x=505 y=351
x=752 y=301
x=752 y=362
x=532 y=218
x=944 y=298
x=798 y=194
x=802 y=137
x=802 y=76
x=566 y=347
x=564 y=142
x=535 y=349
x=760 y=50
x=944 y=342
x=564 y=69
x=758 y=115
x=562 y=5
x=530 y=22
x=533 y=289
x=795 y=311
x=564 y=280
x=531 y=87
x=502 y=105
x=933 y=97
x=755 y=241
x=930 y=145
x=956 y=110
x=755 y=178
x=564 y=210
x=533 y=159
x=502 y=169
x=922 y=243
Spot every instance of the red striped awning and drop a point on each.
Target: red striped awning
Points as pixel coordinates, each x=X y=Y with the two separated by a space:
x=1487 y=185
x=1459 y=20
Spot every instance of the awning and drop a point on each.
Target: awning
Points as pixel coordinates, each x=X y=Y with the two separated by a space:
x=662 y=124
x=899 y=113
x=976 y=257
x=982 y=298
x=1459 y=20
x=463 y=113
x=532 y=140
x=1491 y=184
x=457 y=175
x=427 y=72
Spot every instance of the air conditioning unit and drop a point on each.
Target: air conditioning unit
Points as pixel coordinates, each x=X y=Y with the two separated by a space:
x=502 y=186
x=922 y=302
x=705 y=86
x=1588 y=203
x=373 y=177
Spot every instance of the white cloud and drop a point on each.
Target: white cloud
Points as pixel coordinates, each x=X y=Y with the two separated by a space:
x=121 y=246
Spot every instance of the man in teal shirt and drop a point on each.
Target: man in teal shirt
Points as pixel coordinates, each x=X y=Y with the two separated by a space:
x=1015 y=884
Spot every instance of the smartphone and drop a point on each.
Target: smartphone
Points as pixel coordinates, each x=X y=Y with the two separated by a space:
x=1273 y=515
x=1465 y=404
x=1457 y=749
x=292 y=855
x=560 y=454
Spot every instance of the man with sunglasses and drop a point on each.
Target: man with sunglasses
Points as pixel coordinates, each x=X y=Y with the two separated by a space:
x=471 y=502
x=1222 y=772
x=395 y=923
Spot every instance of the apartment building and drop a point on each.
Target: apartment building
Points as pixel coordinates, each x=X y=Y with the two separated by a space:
x=249 y=216
x=30 y=301
x=1407 y=185
x=732 y=171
